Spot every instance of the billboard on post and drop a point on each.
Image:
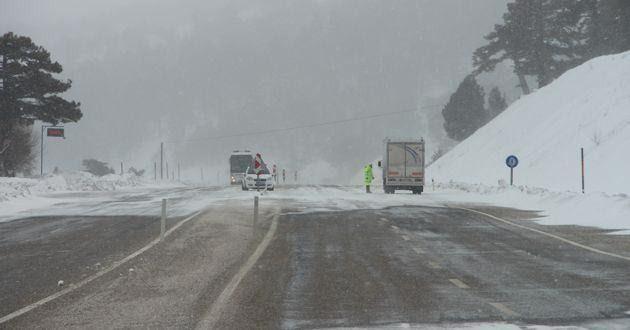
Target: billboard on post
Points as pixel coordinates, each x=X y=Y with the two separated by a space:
x=55 y=132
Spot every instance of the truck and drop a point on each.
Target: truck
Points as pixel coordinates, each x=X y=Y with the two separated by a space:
x=403 y=165
x=240 y=160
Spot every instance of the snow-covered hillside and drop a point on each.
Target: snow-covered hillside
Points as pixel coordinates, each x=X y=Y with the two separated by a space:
x=587 y=107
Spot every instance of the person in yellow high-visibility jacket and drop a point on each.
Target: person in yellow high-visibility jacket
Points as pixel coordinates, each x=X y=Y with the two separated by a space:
x=368 y=176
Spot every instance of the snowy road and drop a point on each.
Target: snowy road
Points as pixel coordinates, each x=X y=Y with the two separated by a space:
x=339 y=258
x=422 y=266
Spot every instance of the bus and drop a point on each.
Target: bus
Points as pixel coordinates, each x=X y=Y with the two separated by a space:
x=239 y=161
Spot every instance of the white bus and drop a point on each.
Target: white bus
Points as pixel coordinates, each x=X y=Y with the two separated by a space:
x=239 y=161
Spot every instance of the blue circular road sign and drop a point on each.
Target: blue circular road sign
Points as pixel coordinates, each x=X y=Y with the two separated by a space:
x=511 y=161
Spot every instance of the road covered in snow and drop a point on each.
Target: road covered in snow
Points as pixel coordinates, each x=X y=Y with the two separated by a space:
x=320 y=256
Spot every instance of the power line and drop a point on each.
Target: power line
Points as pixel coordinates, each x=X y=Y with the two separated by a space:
x=284 y=129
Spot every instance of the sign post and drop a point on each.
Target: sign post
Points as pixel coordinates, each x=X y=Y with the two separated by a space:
x=258 y=167
x=511 y=162
x=52 y=131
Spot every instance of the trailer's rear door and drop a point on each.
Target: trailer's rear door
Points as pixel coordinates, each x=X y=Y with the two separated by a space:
x=395 y=159
x=414 y=160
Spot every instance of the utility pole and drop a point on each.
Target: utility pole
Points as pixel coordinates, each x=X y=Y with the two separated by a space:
x=155 y=171
x=166 y=170
x=121 y=168
x=161 y=160
x=179 y=177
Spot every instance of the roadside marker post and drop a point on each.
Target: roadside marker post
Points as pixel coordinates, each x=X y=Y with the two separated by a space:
x=255 y=215
x=582 y=156
x=511 y=161
x=163 y=221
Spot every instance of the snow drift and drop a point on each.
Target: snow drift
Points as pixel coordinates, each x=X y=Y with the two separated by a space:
x=587 y=107
x=13 y=188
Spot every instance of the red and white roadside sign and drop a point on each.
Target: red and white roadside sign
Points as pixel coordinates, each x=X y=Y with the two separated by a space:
x=55 y=132
x=258 y=164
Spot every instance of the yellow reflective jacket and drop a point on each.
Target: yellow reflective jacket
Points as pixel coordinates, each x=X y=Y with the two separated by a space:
x=368 y=176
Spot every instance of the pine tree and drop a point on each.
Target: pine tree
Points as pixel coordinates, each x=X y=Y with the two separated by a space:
x=496 y=102
x=543 y=38
x=614 y=22
x=498 y=49
x=465 y=113
x=28 y=92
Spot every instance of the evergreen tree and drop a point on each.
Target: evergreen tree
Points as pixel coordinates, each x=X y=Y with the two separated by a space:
x=496 y=102
x=614 y=23
x=465 y=113
x=543 y=38
x=28 y=92
x=18 y=156
x=97 y=167
x=498 y=49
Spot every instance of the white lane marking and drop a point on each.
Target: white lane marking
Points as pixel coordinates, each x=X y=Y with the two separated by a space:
x=459 y=283
x=472 y=253
x=503 y=309
x=418 y=250
x=73 y=287
x=217 y=307
x=394 y=227
x=568 y=241
x=434 y=265
x=405 y=237
x=384 y=219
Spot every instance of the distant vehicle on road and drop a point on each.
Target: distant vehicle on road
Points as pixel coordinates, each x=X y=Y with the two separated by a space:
x=239 y=161
x=403 y=165
x=260 y=181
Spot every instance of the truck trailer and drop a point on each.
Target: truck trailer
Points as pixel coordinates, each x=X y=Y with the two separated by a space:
x=403 y=165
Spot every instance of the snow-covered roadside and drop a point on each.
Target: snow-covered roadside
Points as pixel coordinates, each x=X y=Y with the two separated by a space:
x=14 y=188
x=138 y=198
x=559 y=208
x=21 y=194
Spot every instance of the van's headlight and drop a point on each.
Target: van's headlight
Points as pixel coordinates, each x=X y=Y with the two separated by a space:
x=249 y=178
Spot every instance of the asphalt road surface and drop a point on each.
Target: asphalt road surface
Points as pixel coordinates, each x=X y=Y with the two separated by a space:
x=364 y=268
x=421 y=265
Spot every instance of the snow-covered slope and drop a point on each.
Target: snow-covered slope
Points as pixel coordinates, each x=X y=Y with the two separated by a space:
x=587 y=107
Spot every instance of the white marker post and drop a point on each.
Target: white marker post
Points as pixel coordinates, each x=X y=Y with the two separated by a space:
x=582 y=156
x=255 y=215
x=163 y=221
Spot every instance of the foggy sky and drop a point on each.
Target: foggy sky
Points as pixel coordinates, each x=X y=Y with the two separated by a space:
x=184 y=71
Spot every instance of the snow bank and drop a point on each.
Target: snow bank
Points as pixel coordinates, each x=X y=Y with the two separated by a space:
x=587 y=107
x=594 y=209
x=14 y=188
